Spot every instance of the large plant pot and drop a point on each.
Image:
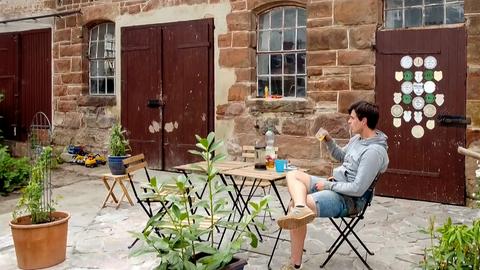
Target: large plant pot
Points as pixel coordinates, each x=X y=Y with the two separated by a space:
x=115 y=163
x=40 y=245
x=234 y=264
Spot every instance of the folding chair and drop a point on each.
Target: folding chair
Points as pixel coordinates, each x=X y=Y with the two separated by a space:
x=349 y=228
x=135 y=164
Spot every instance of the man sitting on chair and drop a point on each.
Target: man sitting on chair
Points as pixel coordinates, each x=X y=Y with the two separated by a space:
x=362 y=159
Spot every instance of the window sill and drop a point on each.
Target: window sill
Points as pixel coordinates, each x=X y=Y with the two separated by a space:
x=286 y=104
x=97 y=101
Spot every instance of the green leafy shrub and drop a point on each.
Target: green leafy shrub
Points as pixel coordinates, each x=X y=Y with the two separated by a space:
x=179 y=246
x=13 y=172
x=36 y=197
x=458 y=246
x=118 y=144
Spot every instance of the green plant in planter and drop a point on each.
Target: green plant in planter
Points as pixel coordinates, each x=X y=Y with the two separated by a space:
x=14 y=172
x=458 y=246
x=118 y=144
x=36 y=197
x=178 y=245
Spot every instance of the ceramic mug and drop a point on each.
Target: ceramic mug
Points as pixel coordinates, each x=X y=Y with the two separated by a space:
x=280 y=165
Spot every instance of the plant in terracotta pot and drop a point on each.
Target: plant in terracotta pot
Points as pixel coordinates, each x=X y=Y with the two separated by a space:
x=39 y=232
x=118 y=147
x=175 y=234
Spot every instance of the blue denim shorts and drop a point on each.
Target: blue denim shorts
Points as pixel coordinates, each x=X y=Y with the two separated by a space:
x=329 y=203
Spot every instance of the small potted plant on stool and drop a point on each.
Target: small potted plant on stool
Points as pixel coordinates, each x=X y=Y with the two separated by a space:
x=118 y=150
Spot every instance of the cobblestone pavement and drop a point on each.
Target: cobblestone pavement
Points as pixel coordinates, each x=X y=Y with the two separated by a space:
x=98 y=238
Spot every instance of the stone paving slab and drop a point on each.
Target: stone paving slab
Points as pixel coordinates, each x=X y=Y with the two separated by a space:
x=98 y=238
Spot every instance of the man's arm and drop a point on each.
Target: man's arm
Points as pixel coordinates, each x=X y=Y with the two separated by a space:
x=370 y=165
x=337 y=152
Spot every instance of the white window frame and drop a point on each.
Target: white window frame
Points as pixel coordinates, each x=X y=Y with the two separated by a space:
x=444 y=4
x=93 y=56
x=282 y=52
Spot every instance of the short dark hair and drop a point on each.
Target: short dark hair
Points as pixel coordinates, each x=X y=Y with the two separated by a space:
x=365 y=109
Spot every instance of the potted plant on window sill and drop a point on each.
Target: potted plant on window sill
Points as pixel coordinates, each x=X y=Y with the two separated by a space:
x=174 y=235
x=39 y=232
x=118 y=147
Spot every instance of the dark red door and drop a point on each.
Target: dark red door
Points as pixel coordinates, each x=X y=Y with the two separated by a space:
x=187 y=91
x=141 y=97
x=36 y=77
x=420 y=78
x=25 y=80
x=167 y=89
x=8 y=84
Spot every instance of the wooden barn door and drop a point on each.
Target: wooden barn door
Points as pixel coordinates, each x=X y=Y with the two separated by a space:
x=25 y=80
x=167 y=89
x=141 y=111
x=421 y=90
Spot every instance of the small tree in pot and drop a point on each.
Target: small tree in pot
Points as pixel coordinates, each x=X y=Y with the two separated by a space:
x=39 y=232
x=118 y=150
x=180 y=227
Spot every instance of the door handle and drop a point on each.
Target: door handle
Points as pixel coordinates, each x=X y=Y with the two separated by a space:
x=155 y=103
x=451 y=120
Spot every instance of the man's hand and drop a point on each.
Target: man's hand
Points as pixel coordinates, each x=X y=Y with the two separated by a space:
x=319 y=185
x=322 y=134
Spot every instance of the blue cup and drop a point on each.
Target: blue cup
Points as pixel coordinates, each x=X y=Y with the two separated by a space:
x=280 y=165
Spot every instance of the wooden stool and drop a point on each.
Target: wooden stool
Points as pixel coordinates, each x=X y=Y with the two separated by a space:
x=116 y=179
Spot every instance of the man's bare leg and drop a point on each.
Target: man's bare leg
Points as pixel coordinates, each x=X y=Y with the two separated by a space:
x=298 y=235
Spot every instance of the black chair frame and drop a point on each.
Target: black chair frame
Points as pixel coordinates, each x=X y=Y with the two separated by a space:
x=349 y=229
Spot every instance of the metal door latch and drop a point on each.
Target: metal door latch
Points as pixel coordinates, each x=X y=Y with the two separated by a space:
x=453 y=120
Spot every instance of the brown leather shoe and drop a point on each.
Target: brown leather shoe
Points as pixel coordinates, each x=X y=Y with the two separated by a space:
x=297 y=217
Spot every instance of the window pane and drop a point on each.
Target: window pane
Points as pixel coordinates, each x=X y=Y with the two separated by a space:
x=289 y=64
x=277 y=18
x=290 y=17
x=93 y=49
x=110 y=67
x=289 y=39
x=102 y=30
x=93 y=86
x=276 y=88
x=433 y=15
x=110 y=86
x=94 y=34
x=301 y=87
x=301 y=39
x=101 y=49
x=93 y=69
x=289 y=86
x=101 y=86
x=264 y=21
x=109 y=48
x=275 y=40
x=111 y=29
x=409 y=3
x=301 y=63
x=276 y=64
x=455 y=13
x=413 y=17
x=263 y=40
x=393 y=19
x=302 y=17
x=428 y=2
x=101 y=68
x=262 y=65
x=262 y=82
x=393 y=4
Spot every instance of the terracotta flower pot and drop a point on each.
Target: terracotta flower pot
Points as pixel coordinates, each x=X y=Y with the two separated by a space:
x=40 y=245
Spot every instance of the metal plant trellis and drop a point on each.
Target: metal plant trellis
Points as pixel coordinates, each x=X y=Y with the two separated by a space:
x=40 y=136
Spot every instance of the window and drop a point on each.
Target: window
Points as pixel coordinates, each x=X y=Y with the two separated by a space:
x=102 y=59
x=281 y=52
x=417 y=13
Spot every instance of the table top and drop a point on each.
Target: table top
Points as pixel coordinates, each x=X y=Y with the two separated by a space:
x=250 y=171
x=222 y=166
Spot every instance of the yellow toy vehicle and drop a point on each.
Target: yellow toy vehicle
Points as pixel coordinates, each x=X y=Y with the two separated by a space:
x=90 y=161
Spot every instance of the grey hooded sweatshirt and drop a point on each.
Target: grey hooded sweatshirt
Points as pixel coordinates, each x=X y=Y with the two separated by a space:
x=362 y=160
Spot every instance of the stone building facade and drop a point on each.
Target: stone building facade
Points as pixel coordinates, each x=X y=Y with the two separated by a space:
x=340 y=70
